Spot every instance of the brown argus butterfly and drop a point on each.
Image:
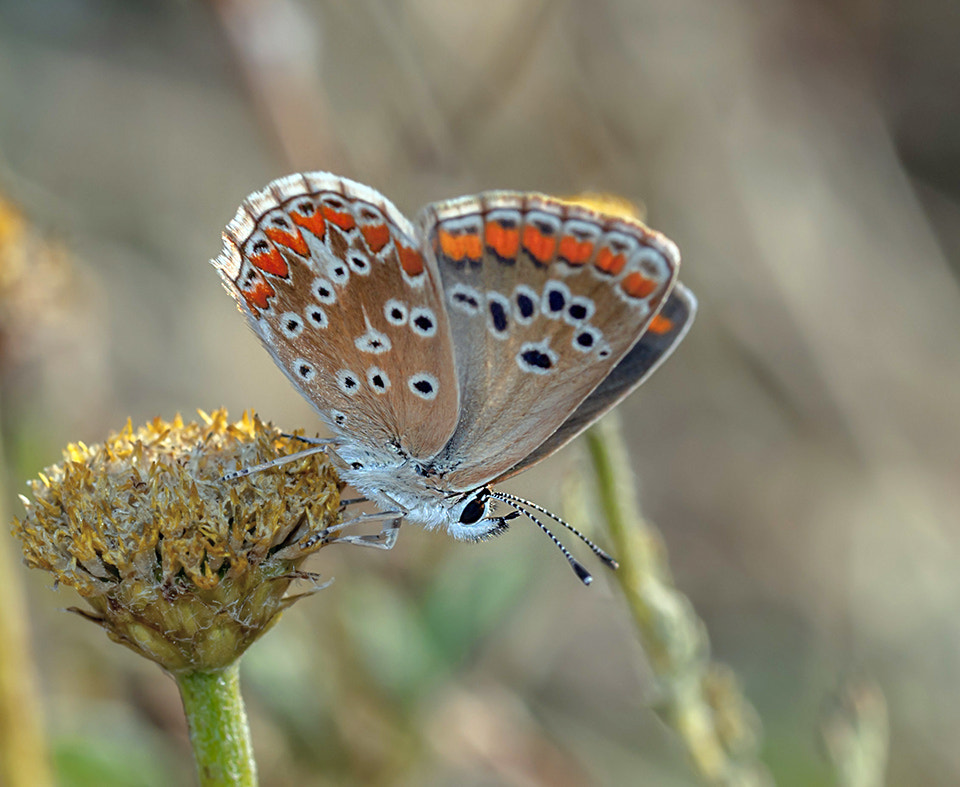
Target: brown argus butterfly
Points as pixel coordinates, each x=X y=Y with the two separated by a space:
x=449 y=355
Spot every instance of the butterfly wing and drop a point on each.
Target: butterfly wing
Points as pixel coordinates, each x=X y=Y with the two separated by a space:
x=331 y=278
x=544 y=299
x=666 y=331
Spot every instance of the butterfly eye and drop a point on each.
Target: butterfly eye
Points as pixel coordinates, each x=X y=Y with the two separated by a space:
x=472 y=512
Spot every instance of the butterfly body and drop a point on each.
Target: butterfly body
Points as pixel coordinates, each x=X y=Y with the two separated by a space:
x=400 y=483
x=450 y=354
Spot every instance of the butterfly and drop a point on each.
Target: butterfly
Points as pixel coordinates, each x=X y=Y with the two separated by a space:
x=451 y=354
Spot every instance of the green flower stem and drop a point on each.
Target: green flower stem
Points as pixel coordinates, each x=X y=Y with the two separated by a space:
x=699 y=700
x=219 y=731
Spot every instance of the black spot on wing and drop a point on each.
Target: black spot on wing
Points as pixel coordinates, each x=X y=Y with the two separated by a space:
x=536 y=358
x=499 y=316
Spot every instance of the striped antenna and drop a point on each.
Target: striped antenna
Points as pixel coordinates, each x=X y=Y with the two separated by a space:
x=585 y=576
x=519 y=502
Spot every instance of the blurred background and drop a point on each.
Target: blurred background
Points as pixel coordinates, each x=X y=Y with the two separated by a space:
x=799 y=452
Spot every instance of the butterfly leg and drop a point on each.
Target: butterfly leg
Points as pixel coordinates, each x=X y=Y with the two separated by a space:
x=385 y=539
x=282 y=460
x=309 y=440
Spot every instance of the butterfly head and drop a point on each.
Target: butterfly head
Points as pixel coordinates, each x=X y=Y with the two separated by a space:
x=400 y=483
x=471 y=517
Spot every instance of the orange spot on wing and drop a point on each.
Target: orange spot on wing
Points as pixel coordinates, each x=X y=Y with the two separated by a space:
x=376 y=235
x=271 y=262
x=410 y=260
x=292 y=240
x=473 y=245
x=660 y=325
x=574 y=251
x=539 y=246
x=636 y=285
x=460 y=246
x=342 y=219
x=313 y=223
x=448 y=243
x=608 y=262
x=257 y=296
x=504 y=241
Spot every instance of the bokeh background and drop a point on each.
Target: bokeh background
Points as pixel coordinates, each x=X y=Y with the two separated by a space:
x=799 y=452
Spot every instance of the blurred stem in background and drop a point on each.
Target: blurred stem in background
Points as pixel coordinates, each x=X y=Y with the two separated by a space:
x=855 y=730
x=23 y=751
x=700 y=700
x=275 y=47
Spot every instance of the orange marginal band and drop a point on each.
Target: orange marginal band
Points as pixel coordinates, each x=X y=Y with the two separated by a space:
x=410 y=260
x=660 y=325
x=636 y=285
x=257 y=297
x=459 y=247
x=342 y=219
x=313 y=223
x=376 y=235
x=608 y=262
x=574 y=251
x=292 y=240
x=539 y=246
x=503 y=241
x=271 y=262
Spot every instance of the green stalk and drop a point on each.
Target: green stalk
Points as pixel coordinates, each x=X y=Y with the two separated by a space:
x=23 y=751
x=219 y=731
x=855 y=730
x=698 y=699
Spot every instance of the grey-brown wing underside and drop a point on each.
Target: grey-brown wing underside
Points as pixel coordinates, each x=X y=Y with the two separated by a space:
x=667 y=331
x=330 y=277
x=544 y=298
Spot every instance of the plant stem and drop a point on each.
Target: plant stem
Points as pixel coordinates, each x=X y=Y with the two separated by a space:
x=855 y=730
x=23 y=750
x=219 y=731
x=23 y=756
x=698 y=699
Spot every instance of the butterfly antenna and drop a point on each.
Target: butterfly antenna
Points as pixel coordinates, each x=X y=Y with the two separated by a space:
x=281 y=460
x=575 y=564
x=515 y=501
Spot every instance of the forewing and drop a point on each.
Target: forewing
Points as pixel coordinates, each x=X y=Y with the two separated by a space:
x=332 y=279
x=659 y=340
x=544 y=299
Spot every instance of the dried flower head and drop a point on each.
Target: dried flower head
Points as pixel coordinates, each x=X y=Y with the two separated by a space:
x=178 y=565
